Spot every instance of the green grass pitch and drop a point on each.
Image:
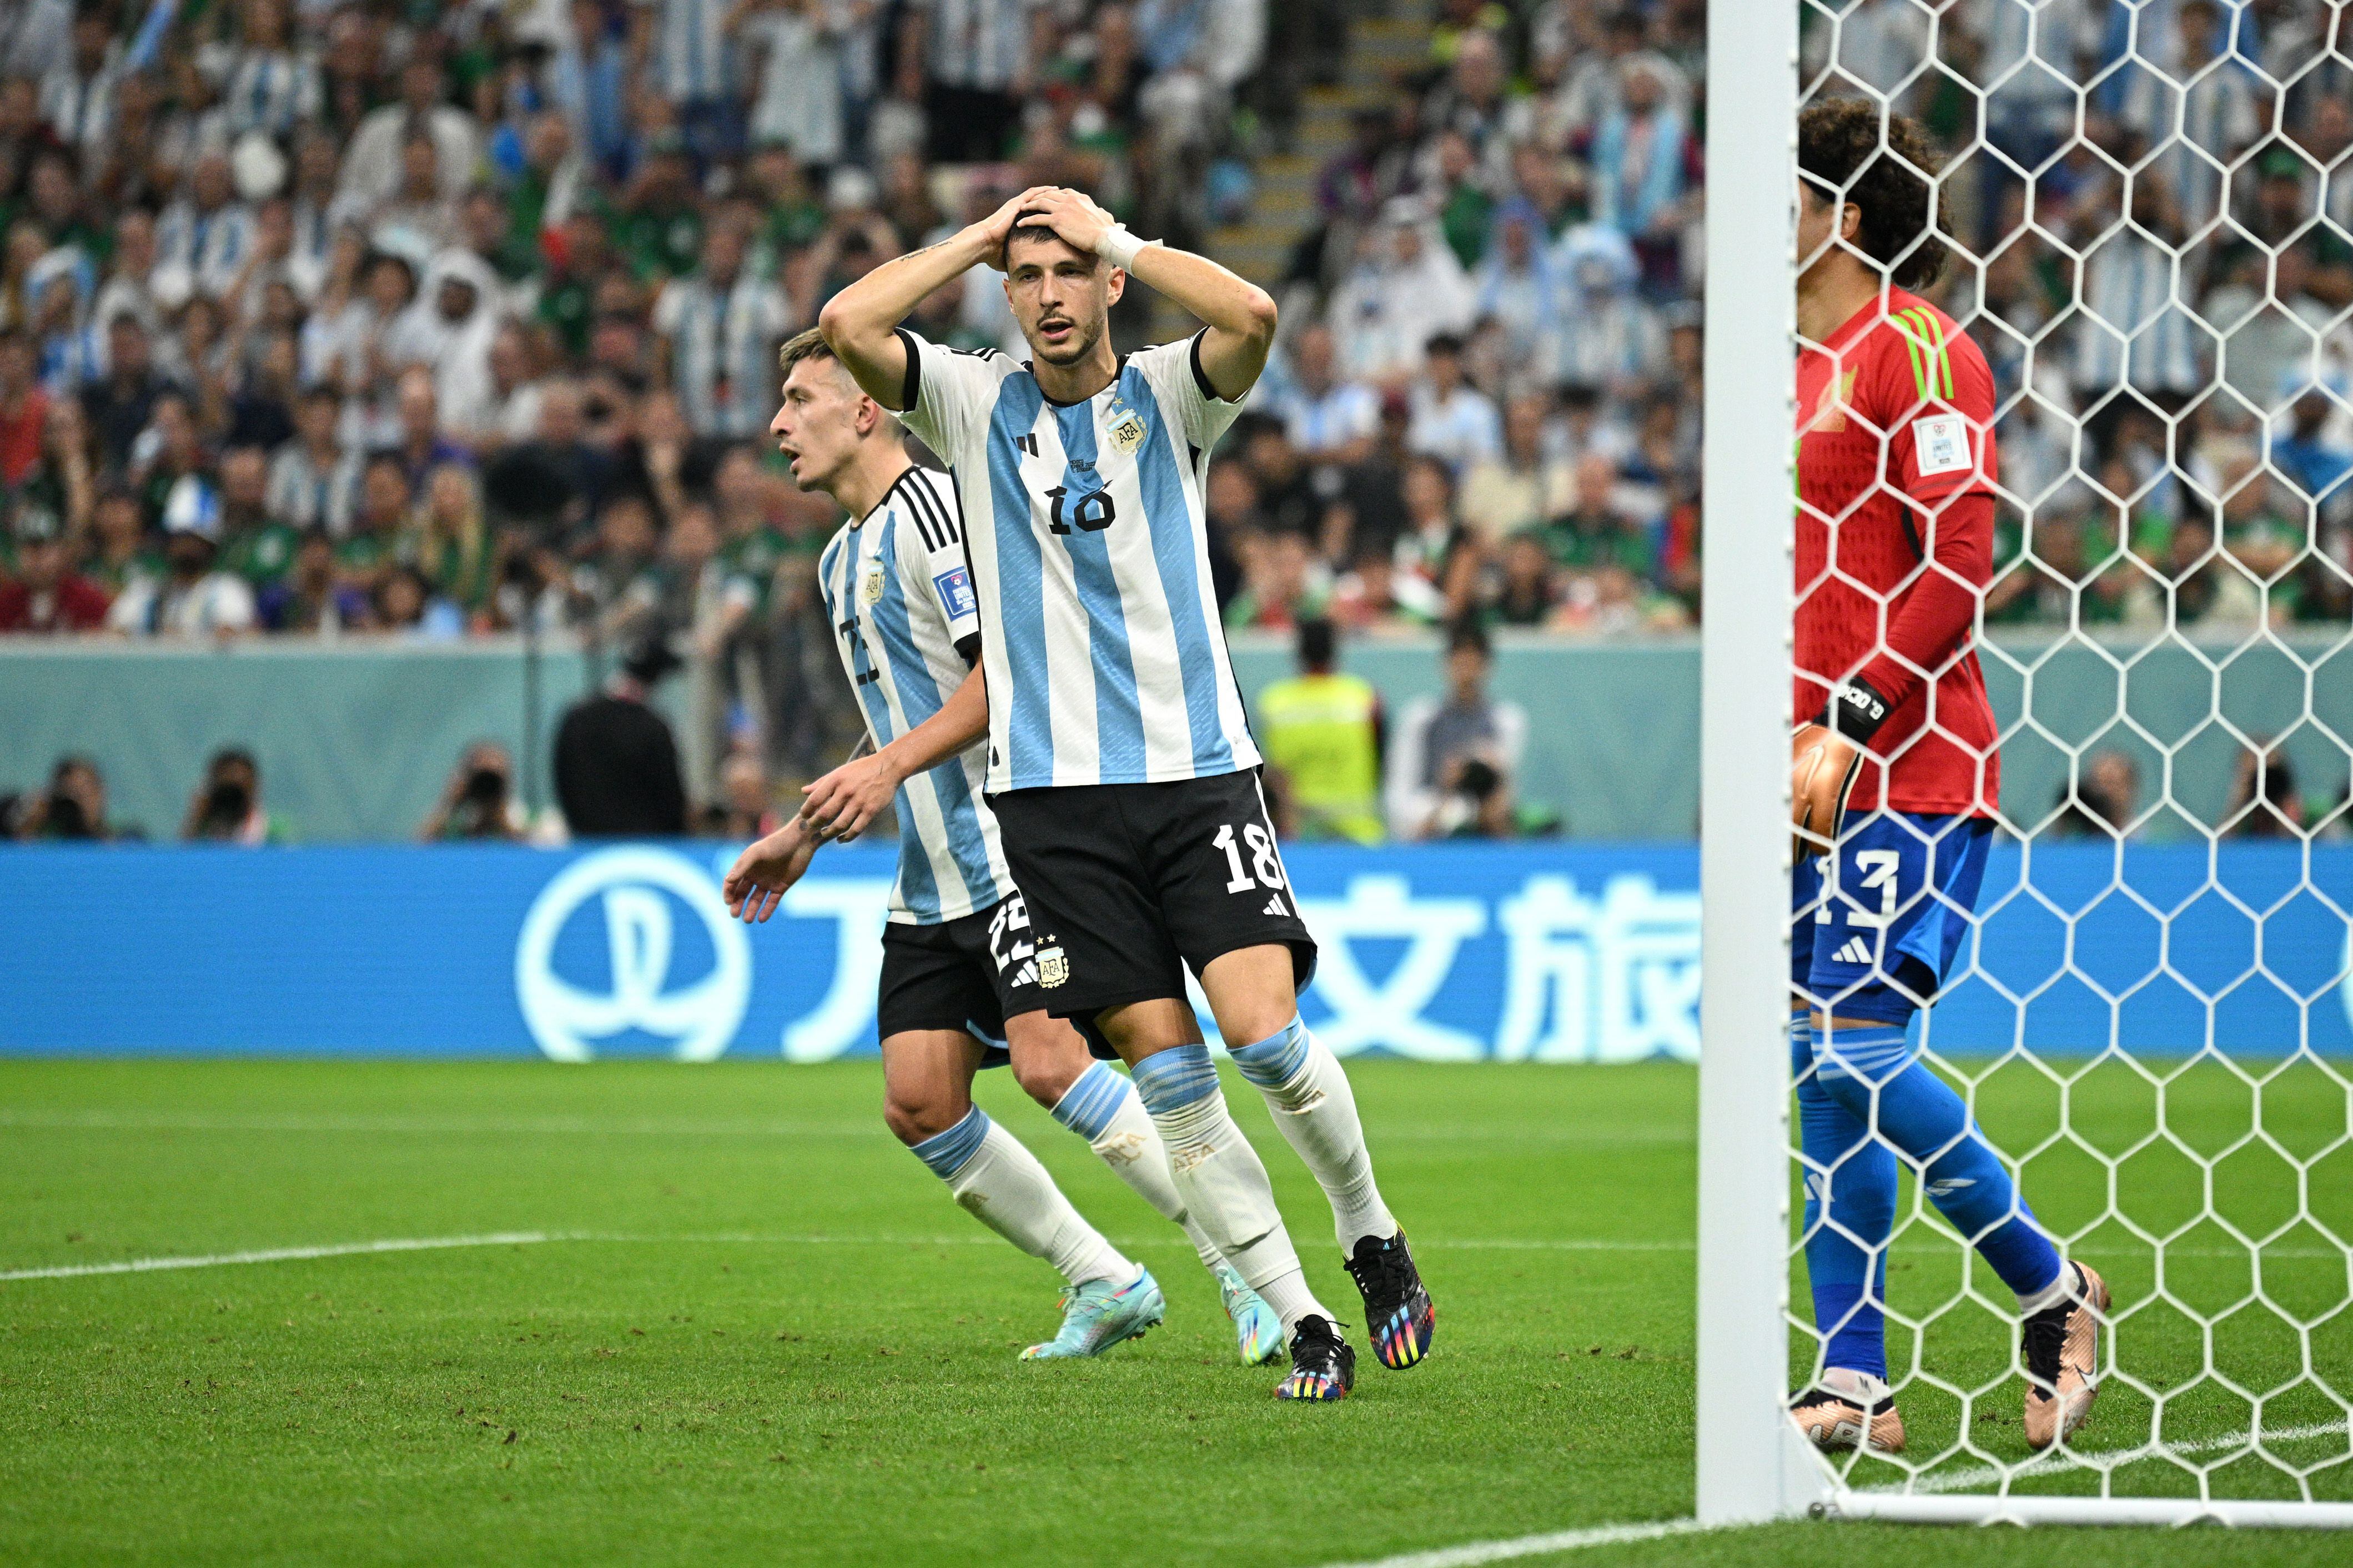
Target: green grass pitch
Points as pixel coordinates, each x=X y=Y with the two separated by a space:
x=765 y=1334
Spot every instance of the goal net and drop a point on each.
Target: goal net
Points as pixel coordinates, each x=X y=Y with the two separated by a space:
x=2133 y=980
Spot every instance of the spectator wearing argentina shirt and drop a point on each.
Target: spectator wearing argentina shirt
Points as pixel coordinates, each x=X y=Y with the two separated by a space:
x=721 y=324
x=689 y=68
x=968 y=61
x=266 y=86
x=201 y=240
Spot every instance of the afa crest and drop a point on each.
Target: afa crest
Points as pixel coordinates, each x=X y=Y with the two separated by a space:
x=1126 y=432
x=1053 y=967
x=870 y=587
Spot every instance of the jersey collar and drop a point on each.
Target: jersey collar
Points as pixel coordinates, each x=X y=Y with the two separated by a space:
x=896 y=485
x=1118 y=370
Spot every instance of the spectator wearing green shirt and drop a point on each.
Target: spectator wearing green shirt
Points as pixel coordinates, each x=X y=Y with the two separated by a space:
x=1596 y=532
x=256 y=546
x=659 y=225
x=368 y=551
x=127 y=547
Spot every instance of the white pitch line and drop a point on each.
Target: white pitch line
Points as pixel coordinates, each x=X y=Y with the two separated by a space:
x=1478 y=1551
x=284 y=1254
x=708 y=1238
x=658 y=1127
x=455 y=1127
x=2107 y=1460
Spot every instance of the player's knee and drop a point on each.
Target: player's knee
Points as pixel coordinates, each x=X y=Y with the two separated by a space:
x=1047 y=1057
x=912 y=1119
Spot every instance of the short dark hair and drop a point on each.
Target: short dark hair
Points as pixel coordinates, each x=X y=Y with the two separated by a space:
x=1447 y=343
x=1318 y=643
x=1889 y=172
x=1043 y=230
x=1468 y=636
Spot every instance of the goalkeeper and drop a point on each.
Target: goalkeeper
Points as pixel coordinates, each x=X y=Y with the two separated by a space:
x=1895 y=785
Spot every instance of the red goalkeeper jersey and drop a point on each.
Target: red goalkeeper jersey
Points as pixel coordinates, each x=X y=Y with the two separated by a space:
x=1895 y=472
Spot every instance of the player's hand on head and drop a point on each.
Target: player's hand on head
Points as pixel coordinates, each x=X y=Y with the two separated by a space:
x=998 y=226
x=1073 y=215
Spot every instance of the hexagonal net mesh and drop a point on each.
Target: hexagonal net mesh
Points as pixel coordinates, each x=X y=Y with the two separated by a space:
x=2073 y=570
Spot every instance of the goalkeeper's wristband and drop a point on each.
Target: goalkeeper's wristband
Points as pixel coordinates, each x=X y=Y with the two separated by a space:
x=1854 y=712
x=1120 y=247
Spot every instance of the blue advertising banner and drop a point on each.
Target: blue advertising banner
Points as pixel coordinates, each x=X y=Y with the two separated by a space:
x=1542 y=953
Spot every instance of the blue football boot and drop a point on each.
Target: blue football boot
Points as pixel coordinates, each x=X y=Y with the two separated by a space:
x=1257 y=1332
x=1098 y=1314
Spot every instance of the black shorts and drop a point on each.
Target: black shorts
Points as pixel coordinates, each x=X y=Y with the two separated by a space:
x=970 y=973
x=1129 y=884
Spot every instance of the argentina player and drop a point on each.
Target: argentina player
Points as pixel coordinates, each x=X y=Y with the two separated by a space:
x=1120 y=764
x=958 y=965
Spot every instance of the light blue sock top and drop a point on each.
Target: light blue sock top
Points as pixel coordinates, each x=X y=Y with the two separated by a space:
x=1276 y=1060
x=1088 y=1106
x=944 y=1153
x=1173 y=1078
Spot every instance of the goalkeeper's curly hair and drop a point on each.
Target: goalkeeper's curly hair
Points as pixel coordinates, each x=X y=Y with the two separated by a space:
x=1842 y=148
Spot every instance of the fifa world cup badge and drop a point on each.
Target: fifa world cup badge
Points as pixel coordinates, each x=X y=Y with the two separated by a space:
x=1053 y=967
x=1126 y=431
x=870 y=587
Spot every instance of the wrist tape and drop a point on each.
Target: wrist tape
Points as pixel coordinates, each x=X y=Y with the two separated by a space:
x=1120 y=247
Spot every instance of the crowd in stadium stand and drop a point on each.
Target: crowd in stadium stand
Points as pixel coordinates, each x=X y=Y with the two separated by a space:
x=440 y=319
x=1498 y=413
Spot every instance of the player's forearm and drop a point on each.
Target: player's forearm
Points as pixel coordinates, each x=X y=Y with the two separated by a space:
x=1225 y=299
x=860 y=323
x=1241 y=314
x=1940 y=611
x=961 y=723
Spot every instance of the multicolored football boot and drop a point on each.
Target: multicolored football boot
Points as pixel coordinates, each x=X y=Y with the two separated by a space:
x=1321 y=1364
x=2061 y=1347
x=1098 y=1314
x=1397 y=1307
x=1257 y=1331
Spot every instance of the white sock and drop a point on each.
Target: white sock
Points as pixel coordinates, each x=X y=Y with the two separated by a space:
x=1224 y=1185
x=1307 y=1090
x=1004 y=1187
x=2065 y=1286
x=1130 y=1145
x=1859 y=1387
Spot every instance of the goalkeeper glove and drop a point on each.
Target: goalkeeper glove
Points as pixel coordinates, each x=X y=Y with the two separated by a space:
x=1824 y=758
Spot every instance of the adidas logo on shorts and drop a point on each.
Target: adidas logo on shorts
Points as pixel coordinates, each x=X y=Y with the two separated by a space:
x=1856 y=950
x=1274 y=907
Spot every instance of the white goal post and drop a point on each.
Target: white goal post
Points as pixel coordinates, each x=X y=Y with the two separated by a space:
x=2187 y=1131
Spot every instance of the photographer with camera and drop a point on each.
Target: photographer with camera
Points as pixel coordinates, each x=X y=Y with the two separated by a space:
x=478 y=803
x=226 y=808
x=1451 y=772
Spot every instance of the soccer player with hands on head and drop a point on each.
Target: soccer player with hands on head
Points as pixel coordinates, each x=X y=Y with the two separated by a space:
x=1895 y=780
x=960 y=975
x=1119 y=763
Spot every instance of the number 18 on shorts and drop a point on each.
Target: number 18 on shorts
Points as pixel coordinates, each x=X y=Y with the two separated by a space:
x=1134 y=883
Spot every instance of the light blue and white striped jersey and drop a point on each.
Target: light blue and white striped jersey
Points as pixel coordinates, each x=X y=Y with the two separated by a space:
x=723 y=341
x=690 y=50
x=900 y=601
x=1105 y=654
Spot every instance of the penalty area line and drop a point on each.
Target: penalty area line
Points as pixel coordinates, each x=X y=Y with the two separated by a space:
x=285 y=1254
x=1478 y=1551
